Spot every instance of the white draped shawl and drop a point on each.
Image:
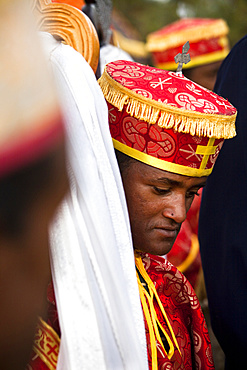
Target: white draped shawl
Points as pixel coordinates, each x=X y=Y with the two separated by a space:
x=92 y=258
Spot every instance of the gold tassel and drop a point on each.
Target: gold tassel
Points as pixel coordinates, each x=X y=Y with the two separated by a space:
x=166 y=116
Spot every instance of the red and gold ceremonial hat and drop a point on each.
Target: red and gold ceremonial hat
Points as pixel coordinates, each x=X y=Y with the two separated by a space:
x=208 y=42
x=30 y=119
x=165 y=120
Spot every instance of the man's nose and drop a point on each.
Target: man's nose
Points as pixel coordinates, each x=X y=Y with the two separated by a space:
x=176 y=209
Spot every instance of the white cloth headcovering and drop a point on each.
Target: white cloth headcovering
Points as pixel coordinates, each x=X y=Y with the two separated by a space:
x=93 y=268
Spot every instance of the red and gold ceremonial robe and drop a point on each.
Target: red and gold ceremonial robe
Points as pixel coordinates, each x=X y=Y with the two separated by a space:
x=176 y=332
x=45 y=351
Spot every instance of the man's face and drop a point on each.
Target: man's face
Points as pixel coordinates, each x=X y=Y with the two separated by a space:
x=157 y=203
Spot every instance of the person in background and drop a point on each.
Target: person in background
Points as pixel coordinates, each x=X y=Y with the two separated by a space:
x=209 y=45
x=223 y=219
x=166 y=145
x=33 y=180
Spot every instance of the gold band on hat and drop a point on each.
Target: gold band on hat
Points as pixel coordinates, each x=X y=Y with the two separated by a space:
x=162 y=164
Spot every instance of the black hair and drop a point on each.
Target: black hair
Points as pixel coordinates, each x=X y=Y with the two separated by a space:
x=124 y=161
x=19 y=191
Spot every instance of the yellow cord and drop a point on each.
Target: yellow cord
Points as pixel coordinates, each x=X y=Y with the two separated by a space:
x=151 y=316
x=150 y=326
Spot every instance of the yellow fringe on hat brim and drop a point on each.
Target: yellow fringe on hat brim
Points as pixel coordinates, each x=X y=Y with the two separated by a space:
x=159 y=42
x=166 y=116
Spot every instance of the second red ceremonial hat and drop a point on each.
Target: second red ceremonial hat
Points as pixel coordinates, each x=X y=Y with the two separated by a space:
x=165 y=120
x=207 y=37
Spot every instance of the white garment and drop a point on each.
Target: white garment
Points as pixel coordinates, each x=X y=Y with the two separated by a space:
x=93 y=268
x=110 y=53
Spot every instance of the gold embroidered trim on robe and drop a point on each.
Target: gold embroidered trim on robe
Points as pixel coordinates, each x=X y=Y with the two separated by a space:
x=46 y=344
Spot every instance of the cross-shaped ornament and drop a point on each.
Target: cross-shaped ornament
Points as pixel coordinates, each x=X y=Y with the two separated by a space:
x=182 y=58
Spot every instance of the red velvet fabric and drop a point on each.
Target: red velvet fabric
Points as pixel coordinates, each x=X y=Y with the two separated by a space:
x=184 y=313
